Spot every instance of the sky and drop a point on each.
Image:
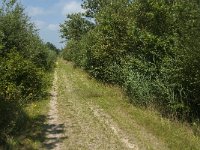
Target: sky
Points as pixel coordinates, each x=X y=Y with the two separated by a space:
x=48 y=14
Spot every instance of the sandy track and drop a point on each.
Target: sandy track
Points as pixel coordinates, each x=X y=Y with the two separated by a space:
x=85 y=126
x=54 y=129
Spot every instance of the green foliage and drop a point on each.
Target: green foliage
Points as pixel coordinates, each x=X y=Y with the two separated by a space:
x=52 y=47
x=74 y=30
x=21 y=82
x=75 y=27
x=149 y=47
x=164 y=47
x=94 y=6
x=16 y=29
x=24 y=63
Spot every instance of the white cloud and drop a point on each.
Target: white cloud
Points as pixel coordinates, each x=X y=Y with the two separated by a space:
x=35 y=11
x=72 y=7
x=53 y=27
x=39 y=24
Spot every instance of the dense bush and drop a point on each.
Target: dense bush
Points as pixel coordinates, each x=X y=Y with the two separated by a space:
x=149 y=47
x=21 y=82
x=24 y=62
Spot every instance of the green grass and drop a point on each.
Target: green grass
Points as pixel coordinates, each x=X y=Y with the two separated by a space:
x=30 y=133
x=151 y=130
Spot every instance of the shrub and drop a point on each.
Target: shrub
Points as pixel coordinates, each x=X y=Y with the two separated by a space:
x=151 y=48
x=21 y=82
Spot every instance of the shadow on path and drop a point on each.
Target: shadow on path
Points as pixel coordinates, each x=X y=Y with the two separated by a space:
x=53 y=135
x=32 y=133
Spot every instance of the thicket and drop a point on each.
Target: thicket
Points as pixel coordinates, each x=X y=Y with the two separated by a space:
x=24 y=62
x=149 y=47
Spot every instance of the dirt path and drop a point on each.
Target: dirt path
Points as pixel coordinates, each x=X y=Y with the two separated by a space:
x=76 y=122
x=86 y=125
x=54 y=129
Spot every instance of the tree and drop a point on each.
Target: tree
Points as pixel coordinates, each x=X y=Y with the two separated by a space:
x=52 y=47
x=75 y=27
x=93 y=7
x=149 y=47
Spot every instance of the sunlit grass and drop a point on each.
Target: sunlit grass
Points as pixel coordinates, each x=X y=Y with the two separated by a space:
x=147 y=125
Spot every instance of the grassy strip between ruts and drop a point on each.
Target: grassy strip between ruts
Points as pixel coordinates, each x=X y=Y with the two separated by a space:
x=145 y=124
x=29 y=132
